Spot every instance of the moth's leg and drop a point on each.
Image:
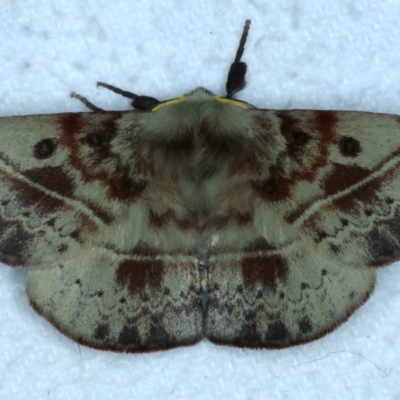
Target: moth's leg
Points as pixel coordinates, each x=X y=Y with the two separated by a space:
x=114 y=89
x=139 y=102
x=237 y=73
x=86 y=102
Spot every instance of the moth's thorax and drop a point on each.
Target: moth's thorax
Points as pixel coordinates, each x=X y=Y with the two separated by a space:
x=196 y=138
x=197 y=156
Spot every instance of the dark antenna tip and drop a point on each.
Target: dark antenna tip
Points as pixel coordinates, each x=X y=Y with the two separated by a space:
x=237 y=73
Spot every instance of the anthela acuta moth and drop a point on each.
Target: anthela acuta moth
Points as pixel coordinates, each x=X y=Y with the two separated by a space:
x=199 y=217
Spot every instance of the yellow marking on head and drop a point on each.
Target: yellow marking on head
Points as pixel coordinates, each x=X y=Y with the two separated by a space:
x=230 y=101
x=172 y=102
x=182 y=99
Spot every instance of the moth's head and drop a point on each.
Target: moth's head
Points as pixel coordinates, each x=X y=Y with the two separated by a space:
x=199 y=95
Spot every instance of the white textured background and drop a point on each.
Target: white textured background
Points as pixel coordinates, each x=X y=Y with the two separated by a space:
x=317 y=54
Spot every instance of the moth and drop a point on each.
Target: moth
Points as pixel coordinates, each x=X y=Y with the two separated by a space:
x=199 y=217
